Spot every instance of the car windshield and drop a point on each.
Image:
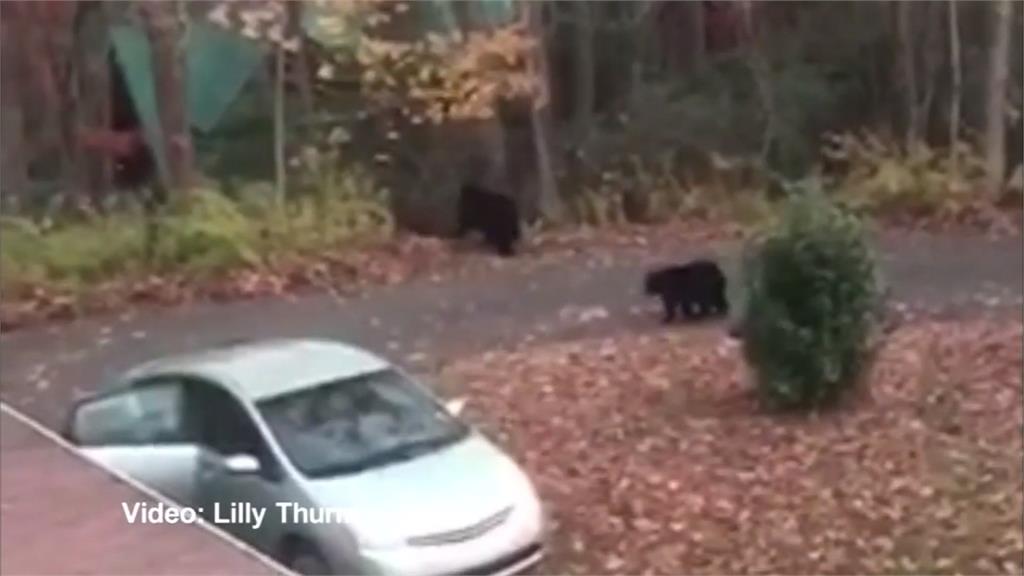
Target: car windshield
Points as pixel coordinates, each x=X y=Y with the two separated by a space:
x=353 y=424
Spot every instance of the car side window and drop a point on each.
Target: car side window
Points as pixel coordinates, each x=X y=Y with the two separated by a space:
x=148 y=413
x=225 y=427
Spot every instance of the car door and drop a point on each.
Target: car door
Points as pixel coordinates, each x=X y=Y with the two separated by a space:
x=230 y=497
x=142 y=431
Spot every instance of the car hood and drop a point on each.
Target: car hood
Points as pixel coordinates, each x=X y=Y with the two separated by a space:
x=447 y=490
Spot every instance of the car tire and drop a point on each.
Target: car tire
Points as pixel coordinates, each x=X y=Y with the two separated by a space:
x=304 y=559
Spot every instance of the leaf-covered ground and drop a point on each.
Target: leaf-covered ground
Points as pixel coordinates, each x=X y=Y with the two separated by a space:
x=653 y=457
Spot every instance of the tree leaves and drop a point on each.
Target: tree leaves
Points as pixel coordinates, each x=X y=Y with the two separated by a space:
x=428 y=75
x=263 y=21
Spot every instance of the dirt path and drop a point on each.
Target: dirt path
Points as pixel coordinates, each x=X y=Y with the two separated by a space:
x=422 y=323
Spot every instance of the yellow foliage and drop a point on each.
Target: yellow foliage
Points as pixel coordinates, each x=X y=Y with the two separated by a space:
x=447 y=77
x=880 y=173
x=261 y=21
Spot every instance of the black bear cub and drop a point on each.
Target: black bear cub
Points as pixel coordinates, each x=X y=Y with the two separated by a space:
x=494 y=215
x=695 y=289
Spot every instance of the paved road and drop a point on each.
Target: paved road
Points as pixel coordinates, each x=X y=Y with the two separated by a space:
x=422 y=323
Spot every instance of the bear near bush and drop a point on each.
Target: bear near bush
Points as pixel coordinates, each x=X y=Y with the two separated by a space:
x=493 y=215
x=696 y=289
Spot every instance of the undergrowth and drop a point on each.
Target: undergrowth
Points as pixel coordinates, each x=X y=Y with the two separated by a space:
x=675 y=184
x=200 y=234
x=873 y=174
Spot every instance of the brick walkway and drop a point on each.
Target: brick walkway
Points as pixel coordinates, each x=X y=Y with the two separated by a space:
x=61 y=515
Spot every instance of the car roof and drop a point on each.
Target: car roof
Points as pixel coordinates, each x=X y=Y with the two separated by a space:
x=264 y=368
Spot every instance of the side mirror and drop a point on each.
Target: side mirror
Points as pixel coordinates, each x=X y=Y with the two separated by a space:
x=456 y=406
x=242 y=464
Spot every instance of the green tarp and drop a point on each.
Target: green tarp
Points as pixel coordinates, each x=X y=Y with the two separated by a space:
x=498 y=12
x=218 y=63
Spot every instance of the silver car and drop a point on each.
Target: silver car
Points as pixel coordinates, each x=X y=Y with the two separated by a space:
x=356 y=467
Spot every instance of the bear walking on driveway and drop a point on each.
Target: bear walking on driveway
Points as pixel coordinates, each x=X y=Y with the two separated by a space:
x=695 y=289
x=494 y=215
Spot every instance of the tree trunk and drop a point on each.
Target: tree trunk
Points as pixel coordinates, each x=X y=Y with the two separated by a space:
x=279 y=128
x=634 y=78
x=63 y=54
x=40 y=102
x=762 y=78
x=13 y=158
x=955 y=87
x=302 y=75
x=649 y=42
x=94 y=111
x=164 y=28
x=908 y=80
x=680 y=31
x=931 y=59
x=49 y=35
x=583 y=61
x=694 y=40
x=540 y=117
x=995 y=111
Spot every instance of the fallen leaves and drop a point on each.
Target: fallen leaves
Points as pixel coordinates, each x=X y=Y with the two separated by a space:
x=653 y=456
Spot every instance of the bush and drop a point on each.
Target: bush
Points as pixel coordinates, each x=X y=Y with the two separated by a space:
x=19 y=249
x=200 y=234
x=70 y=254
x=812 y=289
x=688 y=183
x=876 y=174
x=205 y=233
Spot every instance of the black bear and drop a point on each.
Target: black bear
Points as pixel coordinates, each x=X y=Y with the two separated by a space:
x=696 y=289
x=494 y=215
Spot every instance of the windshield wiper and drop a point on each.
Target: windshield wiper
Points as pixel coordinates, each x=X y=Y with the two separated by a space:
x=380 y=459
x=399 y=453
x=426 y=445
x=363 y=465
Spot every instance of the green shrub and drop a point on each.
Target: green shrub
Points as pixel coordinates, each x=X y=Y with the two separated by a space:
x=332 y=208
x=201 y=234
x=70 y=254
x=21 y=245
x=204 y=233
x=90 y=252
x=812 y=289
x=350 y=205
